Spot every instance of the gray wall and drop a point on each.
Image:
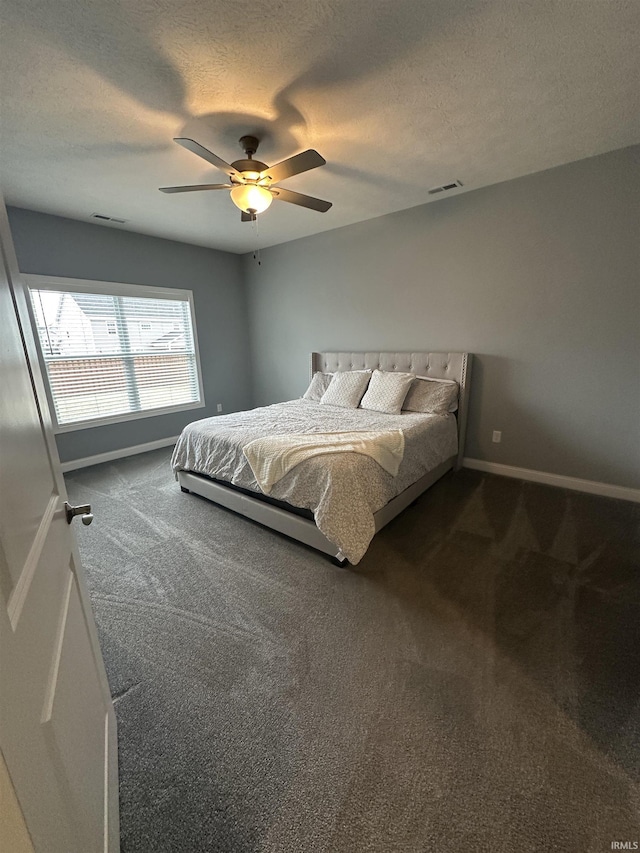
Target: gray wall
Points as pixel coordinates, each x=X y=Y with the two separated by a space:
x=539 y=277
x=50 y=245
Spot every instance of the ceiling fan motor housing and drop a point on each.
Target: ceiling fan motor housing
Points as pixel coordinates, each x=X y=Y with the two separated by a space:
x=249 y=166
x=249 y=145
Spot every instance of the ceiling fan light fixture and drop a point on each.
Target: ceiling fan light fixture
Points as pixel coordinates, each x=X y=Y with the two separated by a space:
x=254 y=185
x=251 y=198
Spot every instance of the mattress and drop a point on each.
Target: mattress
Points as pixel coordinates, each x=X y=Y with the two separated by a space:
x=343 y=491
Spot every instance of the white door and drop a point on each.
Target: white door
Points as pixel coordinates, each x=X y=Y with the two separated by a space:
x=57 y=725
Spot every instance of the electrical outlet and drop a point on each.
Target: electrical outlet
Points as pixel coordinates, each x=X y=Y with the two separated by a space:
x=219 y=407
x=497 y=436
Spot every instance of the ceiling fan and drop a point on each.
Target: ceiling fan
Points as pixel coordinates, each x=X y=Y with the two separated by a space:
x=254 y=184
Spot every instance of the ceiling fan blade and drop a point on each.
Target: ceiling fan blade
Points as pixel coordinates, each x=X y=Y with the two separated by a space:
x=247 y=217
x=302 y=162
x=201 y=151
x=303 y=200
x=195 y=187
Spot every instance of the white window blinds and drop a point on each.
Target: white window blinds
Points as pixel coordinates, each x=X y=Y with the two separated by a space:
x=111 y=356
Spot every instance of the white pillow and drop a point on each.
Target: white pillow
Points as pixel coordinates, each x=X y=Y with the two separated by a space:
x=386 y=391
x=346 y=388
x=318 y=385
x=433 y=396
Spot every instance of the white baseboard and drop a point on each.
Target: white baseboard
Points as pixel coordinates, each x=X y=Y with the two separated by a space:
x=591 y=486
x=74 y=464
x=575 y=483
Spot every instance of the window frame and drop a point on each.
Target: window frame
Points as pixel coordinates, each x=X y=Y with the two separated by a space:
x=111 y=288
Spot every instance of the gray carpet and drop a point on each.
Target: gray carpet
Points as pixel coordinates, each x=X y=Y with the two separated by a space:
x=472 y=685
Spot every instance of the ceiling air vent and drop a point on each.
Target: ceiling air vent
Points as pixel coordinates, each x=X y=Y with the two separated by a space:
x=102 y=218
x=452 y=185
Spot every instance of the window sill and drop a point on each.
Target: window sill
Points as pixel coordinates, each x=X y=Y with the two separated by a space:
x=133 y=416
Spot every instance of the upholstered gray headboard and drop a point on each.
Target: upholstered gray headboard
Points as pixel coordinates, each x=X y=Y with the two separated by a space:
x=436 y=365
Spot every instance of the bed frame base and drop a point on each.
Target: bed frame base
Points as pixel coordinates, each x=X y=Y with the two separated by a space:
x=294 y=526
x=271 y=516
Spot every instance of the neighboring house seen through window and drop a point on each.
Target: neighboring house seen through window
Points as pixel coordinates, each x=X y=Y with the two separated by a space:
x=115 y=351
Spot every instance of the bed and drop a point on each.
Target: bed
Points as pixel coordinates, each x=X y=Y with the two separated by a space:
x=333 y=503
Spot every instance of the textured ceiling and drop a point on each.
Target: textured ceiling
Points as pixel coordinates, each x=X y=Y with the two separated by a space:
x=397 y=95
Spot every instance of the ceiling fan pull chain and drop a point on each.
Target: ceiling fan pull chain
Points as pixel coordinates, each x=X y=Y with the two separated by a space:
x=256 y=253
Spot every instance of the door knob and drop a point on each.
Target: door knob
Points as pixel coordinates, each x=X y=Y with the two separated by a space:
x=84 y=510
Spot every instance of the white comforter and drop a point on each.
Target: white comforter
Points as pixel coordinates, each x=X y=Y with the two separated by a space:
x=342 y=490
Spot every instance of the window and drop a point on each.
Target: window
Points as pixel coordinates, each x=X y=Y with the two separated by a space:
x=112 y=352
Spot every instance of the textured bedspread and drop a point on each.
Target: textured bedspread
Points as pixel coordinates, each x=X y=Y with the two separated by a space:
x=274 y=456
x=344 y=490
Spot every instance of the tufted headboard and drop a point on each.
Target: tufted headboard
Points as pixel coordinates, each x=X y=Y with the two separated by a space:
x=436 y=365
